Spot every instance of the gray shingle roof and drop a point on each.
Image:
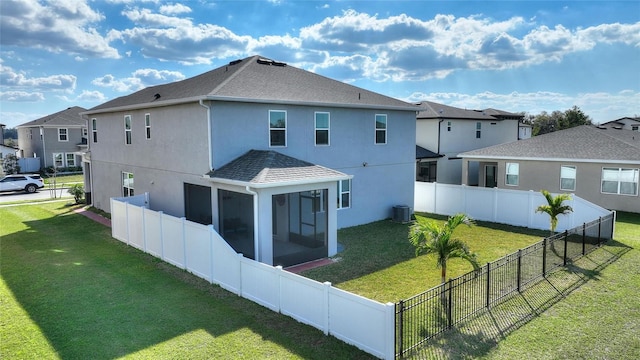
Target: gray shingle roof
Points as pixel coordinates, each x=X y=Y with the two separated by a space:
x=433 y=110
x=67 y=117
x=422 y=153
x=581 y=143
x=256 y=79
x=263 y=168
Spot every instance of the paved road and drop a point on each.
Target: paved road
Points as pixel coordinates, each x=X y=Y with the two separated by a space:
x=42 y=194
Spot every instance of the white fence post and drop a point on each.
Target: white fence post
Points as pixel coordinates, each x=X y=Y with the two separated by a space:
x=211 y=252
x=325 y=302
x=390 y=342
x=184 y=243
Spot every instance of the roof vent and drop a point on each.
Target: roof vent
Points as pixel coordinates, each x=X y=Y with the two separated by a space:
x=234 y=62
x=264 y=61
x=156 y=97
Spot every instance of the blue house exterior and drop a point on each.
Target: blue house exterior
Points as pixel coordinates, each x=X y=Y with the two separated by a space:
x=274 y=157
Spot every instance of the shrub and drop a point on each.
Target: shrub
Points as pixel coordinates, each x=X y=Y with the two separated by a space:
x=77 y=190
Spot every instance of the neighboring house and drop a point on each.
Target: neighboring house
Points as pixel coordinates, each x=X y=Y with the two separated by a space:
x=625 y=123
x=597 y=164
x=274 y=157
x=447 y=131
x=524 y=131
x=58 y=139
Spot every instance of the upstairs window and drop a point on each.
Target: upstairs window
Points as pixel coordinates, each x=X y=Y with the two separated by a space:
x=277 y=128
x=322 y=128
x=620 y=181
x=478 y=130
x=127 y=129
x=94 y=129
x=63 y=134
x=147 y=125
x=448 y=125
x=513 y=174
x=344 y=194
x=127 y=184
x=381 y=128
x=568 y=178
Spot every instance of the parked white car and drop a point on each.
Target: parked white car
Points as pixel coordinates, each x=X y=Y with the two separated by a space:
x=21 y=182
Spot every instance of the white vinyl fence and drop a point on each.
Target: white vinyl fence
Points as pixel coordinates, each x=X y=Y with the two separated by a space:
x=199 y=249
x=513 y=207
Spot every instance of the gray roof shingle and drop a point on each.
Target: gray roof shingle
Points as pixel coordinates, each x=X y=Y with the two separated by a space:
x=256 y=79
x=581 y=143
x=67 y=117
x=263 y=168
x=422 y=153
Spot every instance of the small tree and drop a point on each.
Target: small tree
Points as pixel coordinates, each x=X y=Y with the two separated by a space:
x=77 y=190
x=10 y=164
x=430 y=238
x=554 y=207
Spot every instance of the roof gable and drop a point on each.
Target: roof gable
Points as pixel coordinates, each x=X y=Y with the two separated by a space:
x=265 y=168
x=432 y=110
x=68 y=117
x=256 y=79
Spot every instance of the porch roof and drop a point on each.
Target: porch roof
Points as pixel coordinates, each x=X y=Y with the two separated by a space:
x=268 y=168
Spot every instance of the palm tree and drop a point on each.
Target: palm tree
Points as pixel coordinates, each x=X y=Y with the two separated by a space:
x=554 y=207
x=430 y=238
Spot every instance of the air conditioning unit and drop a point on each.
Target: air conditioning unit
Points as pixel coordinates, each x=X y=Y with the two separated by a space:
x=401 y=214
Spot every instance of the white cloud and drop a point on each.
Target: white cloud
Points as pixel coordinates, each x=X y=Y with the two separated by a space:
x=55 y=26
x=87 y=97
x=21 y=96
x=174 y=9
x=19 y=81
x=140 y=79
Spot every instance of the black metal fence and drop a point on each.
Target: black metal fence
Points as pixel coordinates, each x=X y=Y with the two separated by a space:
x=436 y=310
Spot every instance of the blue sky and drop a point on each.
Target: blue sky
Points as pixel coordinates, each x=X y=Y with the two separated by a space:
x=529 y=56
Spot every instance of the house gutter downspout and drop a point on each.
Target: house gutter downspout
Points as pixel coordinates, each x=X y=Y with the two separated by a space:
x=201 y=102
x=256 y=248
x=44 y=149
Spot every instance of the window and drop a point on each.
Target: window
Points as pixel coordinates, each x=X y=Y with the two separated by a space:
x=127 y=129
x=478 y=130
x=277 y=128
x=381 y=129
x=30 y=134
x=62 y=134
x=127 y=184
x=344 y=194
x=147 y=125
x=568 y=178
x=322 y=128
x=84 y=132
x=94 y=129
x=513 y=171
x=71 y=159
x=58 y=160
x=448 y=125
x=620 y=181
x=635 y=128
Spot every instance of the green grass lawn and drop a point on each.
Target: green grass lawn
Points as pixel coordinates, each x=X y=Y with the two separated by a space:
x=64 y=179
x=70 y=291
x=378 y=261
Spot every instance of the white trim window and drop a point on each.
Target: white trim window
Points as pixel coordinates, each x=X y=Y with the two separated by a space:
x=512 y=177
x=277 y=128
x=127 y=184
x=63 y=134
x=478 y=130
x=127 y=129
x=147 y=125
x=344 y=194
x=70 y=159
x=94 y=129
x=58 y=160
x=321 y=122
x=568 y=178
x=381 y=129
x=620 y=181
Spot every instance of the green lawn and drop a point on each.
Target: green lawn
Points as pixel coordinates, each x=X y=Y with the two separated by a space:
x=70 y=291
x=64 y=179
x=378 y=261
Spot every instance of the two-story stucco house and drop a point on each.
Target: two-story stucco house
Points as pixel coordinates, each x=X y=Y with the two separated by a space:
x=447 y=131
x=58 y=139
x=598 y=164
x=276 y=158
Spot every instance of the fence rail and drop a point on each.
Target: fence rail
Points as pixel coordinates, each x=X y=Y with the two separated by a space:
x=438 y=309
